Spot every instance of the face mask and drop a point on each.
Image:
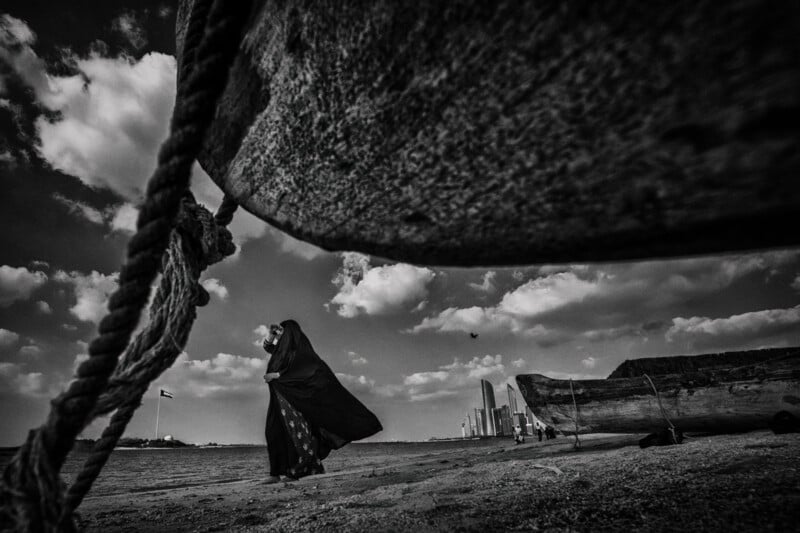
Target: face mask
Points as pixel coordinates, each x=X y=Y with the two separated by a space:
x=272 y=338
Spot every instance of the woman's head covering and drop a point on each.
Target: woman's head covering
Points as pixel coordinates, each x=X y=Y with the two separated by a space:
x=293 y=342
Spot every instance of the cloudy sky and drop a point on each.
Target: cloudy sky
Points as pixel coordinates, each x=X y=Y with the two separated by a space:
x=86 y=92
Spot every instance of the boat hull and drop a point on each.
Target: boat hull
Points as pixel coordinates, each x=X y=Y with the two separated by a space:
x=717 y=401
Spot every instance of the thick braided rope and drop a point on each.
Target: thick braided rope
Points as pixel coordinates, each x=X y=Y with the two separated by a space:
x=226 y=210
x=32 y=491
x=153 y=351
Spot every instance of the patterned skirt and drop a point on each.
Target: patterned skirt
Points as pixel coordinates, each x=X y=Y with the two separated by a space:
x=305 y=443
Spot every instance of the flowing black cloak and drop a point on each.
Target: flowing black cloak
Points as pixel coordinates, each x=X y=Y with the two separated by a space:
x=311 y=387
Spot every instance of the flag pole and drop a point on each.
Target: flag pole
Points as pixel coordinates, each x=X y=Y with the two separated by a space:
x=158 y=412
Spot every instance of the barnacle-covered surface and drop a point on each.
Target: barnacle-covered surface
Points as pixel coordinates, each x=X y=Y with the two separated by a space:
x=500 y=132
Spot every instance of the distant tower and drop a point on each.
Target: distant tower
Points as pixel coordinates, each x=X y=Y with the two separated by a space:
x=512 y=399
x=488 y=406
x=480 y=423
x=471 y=429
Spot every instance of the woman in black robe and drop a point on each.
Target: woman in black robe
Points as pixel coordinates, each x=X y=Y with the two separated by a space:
x=310 y=413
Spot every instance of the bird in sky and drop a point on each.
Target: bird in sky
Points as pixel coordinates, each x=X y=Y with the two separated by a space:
x=473 y=335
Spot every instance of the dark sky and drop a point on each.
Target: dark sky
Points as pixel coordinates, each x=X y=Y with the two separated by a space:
x=86 y=91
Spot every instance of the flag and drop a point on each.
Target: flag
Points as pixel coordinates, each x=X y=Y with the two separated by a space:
x=165 y=393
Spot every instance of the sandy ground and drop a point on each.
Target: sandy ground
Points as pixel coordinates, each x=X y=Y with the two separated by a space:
x=744 y=482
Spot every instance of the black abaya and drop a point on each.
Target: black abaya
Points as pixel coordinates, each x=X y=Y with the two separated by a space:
x=332 y=416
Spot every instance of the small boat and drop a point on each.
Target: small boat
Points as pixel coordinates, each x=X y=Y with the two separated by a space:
x=715 y=393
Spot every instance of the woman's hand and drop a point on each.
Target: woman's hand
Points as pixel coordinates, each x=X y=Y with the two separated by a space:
x=269 y=376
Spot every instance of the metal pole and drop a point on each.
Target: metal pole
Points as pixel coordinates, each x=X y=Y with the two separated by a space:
x=158 y=412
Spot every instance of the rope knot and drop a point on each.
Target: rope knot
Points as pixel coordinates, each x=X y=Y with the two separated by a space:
x=212 y=241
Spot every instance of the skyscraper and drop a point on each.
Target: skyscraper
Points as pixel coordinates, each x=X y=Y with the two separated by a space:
x=488 y=404
x=512 y=399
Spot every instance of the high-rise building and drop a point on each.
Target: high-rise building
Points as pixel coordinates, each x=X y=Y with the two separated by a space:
x=522 y=421
x=470 y=427
x=506 y=420
x=489 y=406
x=480 y=422
x=497 y=421
x=512 y=399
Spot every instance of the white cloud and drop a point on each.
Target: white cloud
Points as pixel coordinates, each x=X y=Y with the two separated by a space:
x=120 y=217
x=796 y=283
x=31 y=350
x=130 y=28
x=355 y=359
x=225 y=374
x=18 y=283
x=13 y=380
x=110 y=127
x=518 y=363
x=589 y=362
x=454 y=379
x=213 y=285
x=91 y=292
x=378 y=290
x=546 y=293
x=81 y=209
x=8 y=338
x=44 y=307
x=487 y=284
x=113 y=113
x=753 y=324
x=123 y=217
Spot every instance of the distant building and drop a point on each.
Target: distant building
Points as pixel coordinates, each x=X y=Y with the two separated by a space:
x=488 y=405
x=522 y=421
x=480 y=422
x=512 y=399
x=497 y=421
x=507 y=421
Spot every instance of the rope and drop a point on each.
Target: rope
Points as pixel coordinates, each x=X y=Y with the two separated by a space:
x=575 y=406
x=156 y=347
x=663 y=411
x=32 y=494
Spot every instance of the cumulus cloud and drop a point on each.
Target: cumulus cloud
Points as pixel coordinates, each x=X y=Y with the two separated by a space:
x=8 y=338
x=453 y=379
x=364 y=289
x=214 y=286
x=123 y=217
x=517 y=311
x=130 y=28
x=18 y=283
x=44 y=307
x=589 y=362
x=355 y=359
x=91 y=293
x=736 y=327
x=14 y=380
x=606 y=302
x=796 y=283
x=112 y=113
x=223 y=375
x=487 y=284
x=546 y=293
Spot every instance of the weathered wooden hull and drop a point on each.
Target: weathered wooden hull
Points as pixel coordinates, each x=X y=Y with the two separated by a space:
x=719 y=400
